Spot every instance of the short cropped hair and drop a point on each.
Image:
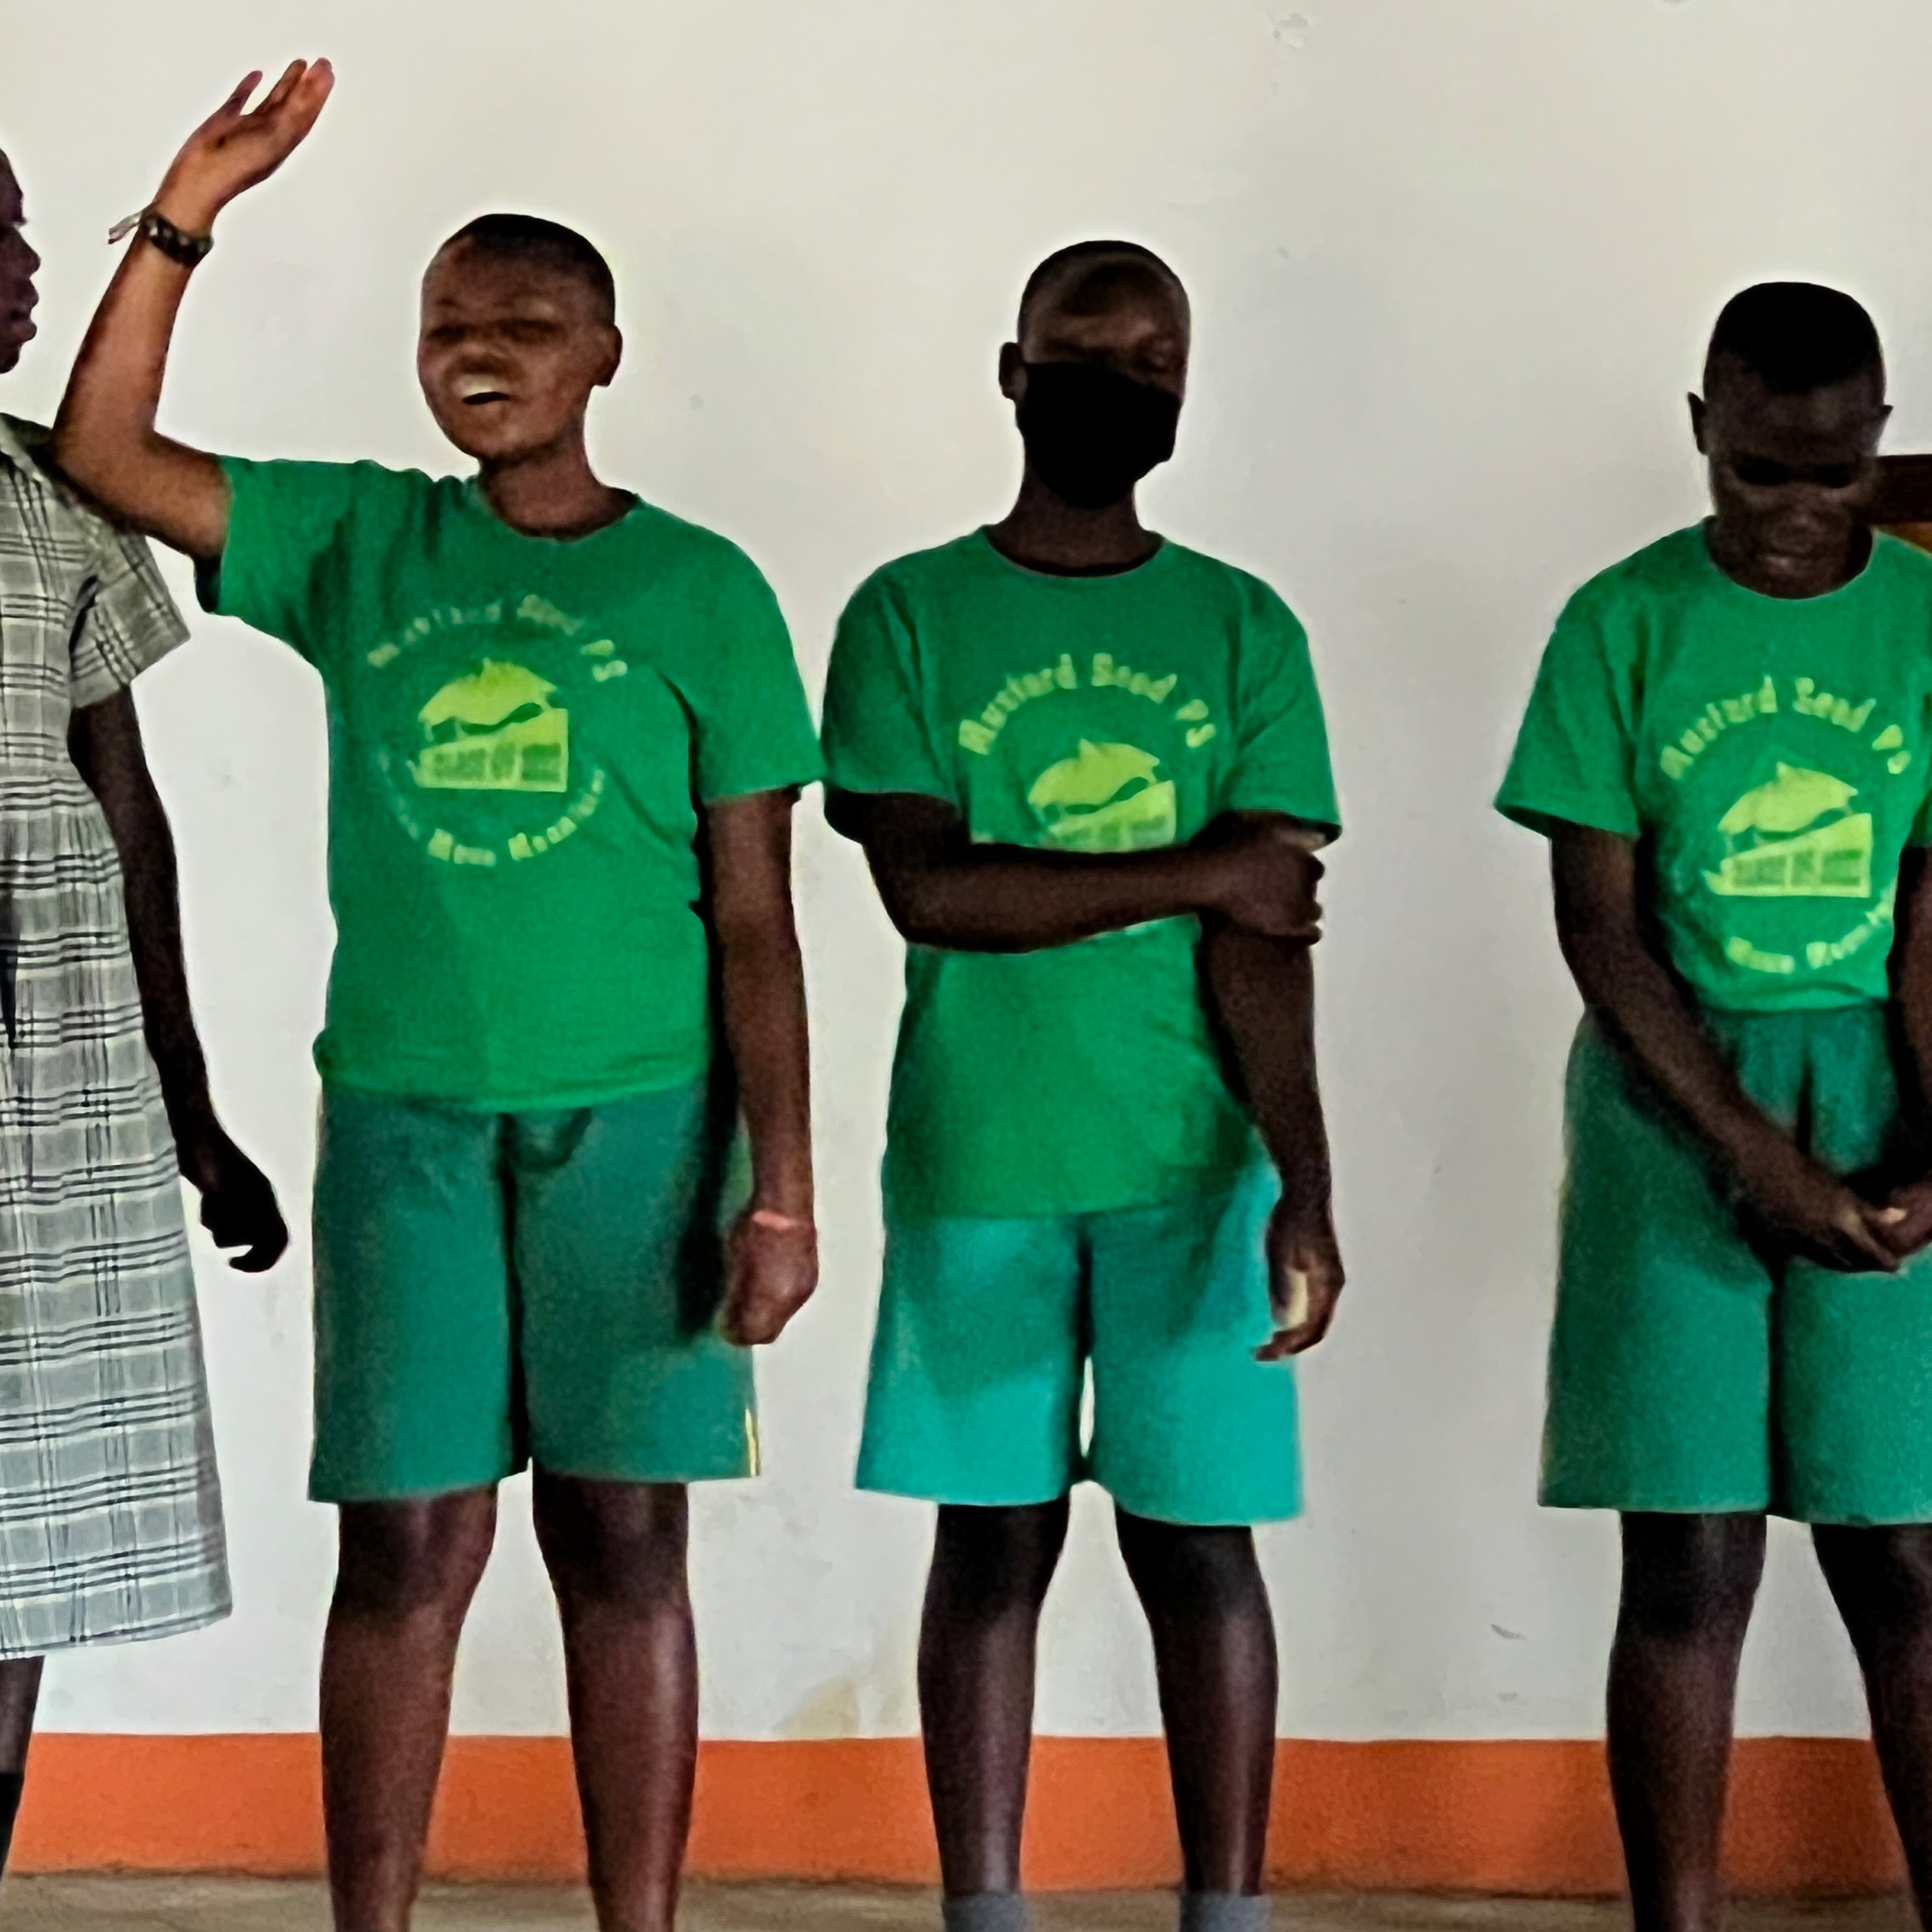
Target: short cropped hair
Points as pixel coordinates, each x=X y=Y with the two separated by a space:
x=1795 y=336
x=549 y=245
x=1131 y=255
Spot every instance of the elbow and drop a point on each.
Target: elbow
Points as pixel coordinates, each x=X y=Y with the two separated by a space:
x=912 y=906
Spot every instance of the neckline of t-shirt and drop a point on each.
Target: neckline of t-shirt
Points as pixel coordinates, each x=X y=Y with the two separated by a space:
x=478 y=505
x=1699 y=536
x=1137 y=573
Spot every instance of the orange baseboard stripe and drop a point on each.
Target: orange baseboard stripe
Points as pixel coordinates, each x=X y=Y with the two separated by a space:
x=1808 y=1814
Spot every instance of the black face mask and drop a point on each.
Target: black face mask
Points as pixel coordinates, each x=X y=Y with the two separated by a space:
x=1091 y=435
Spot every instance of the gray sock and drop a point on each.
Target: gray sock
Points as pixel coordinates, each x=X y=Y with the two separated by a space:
x=988 y=1912
x=1222 y=1912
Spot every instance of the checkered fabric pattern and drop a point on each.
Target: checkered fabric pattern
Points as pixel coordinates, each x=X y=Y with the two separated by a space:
x=110 y=1515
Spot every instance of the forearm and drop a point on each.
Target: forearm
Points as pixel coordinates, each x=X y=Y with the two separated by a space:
x=1263 y=992
x=161 y=969
x=763 y=986
x=104 y=740
x=1008 y=898
x=1624 y=983
x=104 y=436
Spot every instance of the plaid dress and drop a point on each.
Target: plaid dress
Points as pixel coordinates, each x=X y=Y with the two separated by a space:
x=110 y=1517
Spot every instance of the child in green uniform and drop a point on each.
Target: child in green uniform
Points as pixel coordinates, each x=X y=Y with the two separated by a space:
x=1730 y=747
x=566 y=732
x=1088 y=767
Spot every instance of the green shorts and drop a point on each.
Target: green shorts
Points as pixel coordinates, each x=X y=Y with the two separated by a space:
x=987 y=1328
x=1694 y=1370
x=494 y=1288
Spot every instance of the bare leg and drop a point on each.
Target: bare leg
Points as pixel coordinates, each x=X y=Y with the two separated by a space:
x=1881 y=1579
x=1214 y=1653
x=615 y=1552
x=404 y=1578
x=990 y=1568
x=20 y=1692
x=1689 y=1584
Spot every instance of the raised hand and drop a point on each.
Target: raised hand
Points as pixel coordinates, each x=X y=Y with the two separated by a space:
x=1305 y=1278
x=237 y=146
x=771 y=1274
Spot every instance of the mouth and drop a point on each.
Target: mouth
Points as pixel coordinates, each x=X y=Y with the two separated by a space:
x=18 y=321
x=479 y=392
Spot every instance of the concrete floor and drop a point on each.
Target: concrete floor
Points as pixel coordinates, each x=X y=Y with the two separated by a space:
x=249 y=1905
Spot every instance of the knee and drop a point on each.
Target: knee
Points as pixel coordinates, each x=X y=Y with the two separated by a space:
x=1691 y=1578
x=618 y=1545
x=989 y=1562
x=1186 y=1570
x=412 y=1559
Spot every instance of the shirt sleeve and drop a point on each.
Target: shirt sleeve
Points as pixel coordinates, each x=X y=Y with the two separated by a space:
x=753 y=727
x=1281 y=761
x=876 y=736
x=129 y=621
x=1575 y=760
x=285 y=567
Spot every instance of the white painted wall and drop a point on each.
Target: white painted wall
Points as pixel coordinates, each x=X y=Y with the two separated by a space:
x=1452 y=266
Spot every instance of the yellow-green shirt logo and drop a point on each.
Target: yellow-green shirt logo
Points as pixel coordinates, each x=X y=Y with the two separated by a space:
x=494 y=731
x=1106 y=798
x=1795 y=837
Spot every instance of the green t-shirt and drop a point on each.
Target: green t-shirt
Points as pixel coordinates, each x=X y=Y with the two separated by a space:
x=1771 y=753
x=521 y=731
x=1097 y=715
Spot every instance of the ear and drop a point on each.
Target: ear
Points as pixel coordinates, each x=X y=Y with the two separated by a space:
x=617 y=357
x=1700 y=415
x=1012 y=373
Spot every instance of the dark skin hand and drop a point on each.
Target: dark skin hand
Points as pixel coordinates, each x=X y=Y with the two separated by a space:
x=104 y=436
x=1597 y=879
x=1263 y=992
x=238 y=1205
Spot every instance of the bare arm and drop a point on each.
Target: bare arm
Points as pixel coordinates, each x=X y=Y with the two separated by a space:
x=1263 y=991
x=1912 y=987
x=238 y=1204
x=941 y=889
x=1600 y=926
x=775 y=1257
x=104 y=436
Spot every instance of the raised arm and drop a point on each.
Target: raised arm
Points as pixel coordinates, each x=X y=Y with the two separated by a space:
x=1600 y=926
x=774 y=1262
x=941 y=889
x=238 y=1205
x=1263 y=992
x=104 y=437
